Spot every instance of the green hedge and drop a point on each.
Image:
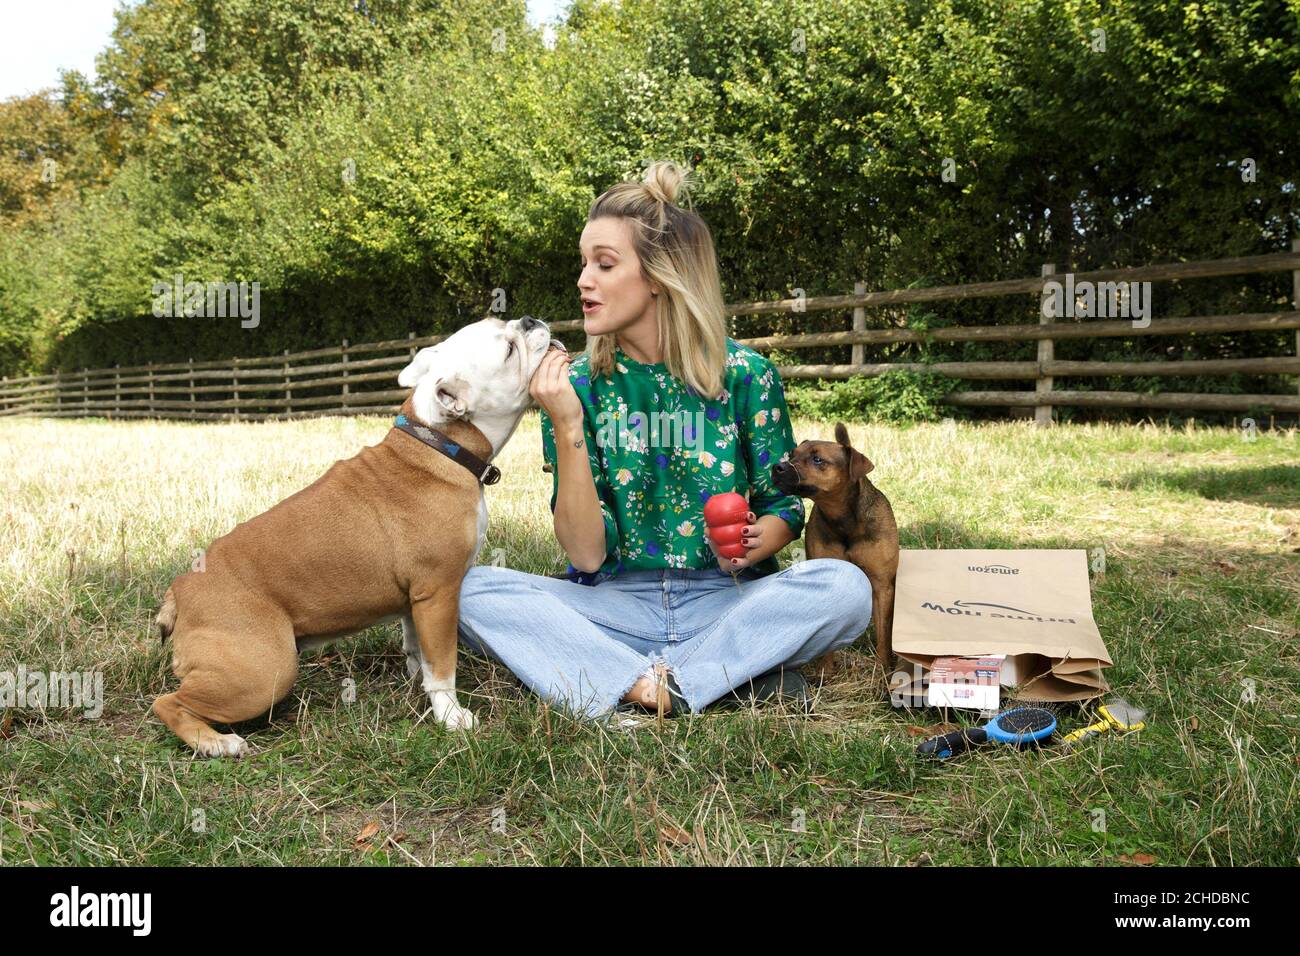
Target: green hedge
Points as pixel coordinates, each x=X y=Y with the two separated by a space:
x=817 y=129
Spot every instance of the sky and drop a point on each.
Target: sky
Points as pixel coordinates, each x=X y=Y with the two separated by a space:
x=39 y=38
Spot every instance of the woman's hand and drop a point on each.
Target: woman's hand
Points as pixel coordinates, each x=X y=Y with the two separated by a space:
x=552 y=390
x=751 y=538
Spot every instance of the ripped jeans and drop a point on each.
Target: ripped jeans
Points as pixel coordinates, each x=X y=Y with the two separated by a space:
x=582 y=647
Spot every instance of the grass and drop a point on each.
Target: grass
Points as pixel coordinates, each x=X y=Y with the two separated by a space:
x=1198 y=604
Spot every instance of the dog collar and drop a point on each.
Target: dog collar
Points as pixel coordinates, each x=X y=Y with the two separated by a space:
x=487 y=474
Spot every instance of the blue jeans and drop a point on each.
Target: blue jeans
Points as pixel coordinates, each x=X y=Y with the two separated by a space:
x=582 y=647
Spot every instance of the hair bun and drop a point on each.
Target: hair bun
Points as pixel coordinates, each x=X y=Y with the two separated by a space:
x=664 y=181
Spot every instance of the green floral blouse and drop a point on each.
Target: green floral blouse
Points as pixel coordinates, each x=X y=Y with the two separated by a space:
x=658 y=450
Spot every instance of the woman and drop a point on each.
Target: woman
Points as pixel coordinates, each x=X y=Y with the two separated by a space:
x=661 y=411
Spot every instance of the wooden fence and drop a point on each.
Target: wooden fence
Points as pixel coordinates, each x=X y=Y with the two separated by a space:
x=338 y=380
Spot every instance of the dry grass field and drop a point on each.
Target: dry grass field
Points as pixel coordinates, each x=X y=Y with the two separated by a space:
x=1199 y=606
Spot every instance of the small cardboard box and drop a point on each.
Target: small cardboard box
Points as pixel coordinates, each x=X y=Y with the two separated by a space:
x=971 y=682
x=1032 y=607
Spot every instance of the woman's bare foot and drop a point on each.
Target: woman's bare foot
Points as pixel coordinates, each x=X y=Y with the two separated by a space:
x=651 y=692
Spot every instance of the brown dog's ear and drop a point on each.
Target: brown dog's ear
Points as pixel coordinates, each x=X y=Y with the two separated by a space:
x=859 y=465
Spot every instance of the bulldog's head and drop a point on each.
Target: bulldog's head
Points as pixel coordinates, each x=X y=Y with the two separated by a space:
x=480 y=371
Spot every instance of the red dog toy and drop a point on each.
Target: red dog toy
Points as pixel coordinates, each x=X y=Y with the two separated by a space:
x=725 y=516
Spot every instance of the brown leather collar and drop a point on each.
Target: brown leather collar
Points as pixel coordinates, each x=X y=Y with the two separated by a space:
x=487 y=474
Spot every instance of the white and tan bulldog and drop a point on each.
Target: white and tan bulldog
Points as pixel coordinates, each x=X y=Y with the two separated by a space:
x=389 y=533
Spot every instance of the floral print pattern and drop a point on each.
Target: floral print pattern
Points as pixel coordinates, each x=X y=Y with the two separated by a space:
x=658 y=450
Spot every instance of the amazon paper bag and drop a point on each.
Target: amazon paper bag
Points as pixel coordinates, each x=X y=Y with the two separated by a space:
x=1034 y=606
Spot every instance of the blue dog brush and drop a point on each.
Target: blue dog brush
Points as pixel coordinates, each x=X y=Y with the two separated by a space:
x=1020 y=727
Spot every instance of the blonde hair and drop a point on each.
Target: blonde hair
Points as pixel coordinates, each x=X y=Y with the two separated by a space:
x=676 y=252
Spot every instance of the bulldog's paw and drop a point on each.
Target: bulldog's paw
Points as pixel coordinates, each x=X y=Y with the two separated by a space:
x=221 y=745
x=458 y=718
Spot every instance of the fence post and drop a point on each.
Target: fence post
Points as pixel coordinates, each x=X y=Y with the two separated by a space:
x=234 y=373
x=85 y=390
x=288 y=392
x=859 y=321
x=4 y=393
x=193 y=410
x=345 y=374
x=1043 y=386
x=150 y=374
x=410 y=336
x=117 y=386
x=1295 y=300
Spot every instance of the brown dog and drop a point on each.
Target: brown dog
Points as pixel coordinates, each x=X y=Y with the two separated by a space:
x=851 y=520
x=387 y=534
